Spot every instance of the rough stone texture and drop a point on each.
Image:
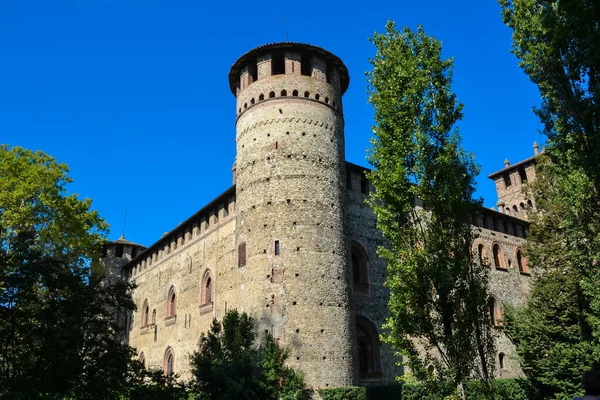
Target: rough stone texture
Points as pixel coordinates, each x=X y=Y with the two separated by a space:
x=510 y=182
x=298 y=209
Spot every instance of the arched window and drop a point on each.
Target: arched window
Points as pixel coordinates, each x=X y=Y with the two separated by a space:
x=496 y=311
x=284 y=93
x=142 y=359
x=295 y=93
x=481 y=253
x=306 y=94
x=261 y=97
x=169 y=362
x=206 y=294
x=272 y=94
x=502 y=360
x=154 y=317
x=498 y=256
x=145 y=312
x=369 y=363
x=171 y=303
x=317 y=97
x=529 y=204
x=515 y=211
x=360 y=271
x=522 y=262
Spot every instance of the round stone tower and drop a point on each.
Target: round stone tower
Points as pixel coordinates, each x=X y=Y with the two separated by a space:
x=289 y=176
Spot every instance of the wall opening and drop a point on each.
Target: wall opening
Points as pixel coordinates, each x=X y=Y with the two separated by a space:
x=253 y=71
x=277 y=249
x=360 y=272
x=522 y=173
x=119 y=251
x=277 y=63
x=241 y=254
x=169 y=362
x=305 y=65
x=497 y=256
x=364 y=184
x=507 y=181
x=369 y=364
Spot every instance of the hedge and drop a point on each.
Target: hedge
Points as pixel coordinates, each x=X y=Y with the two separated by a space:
x=505 y=389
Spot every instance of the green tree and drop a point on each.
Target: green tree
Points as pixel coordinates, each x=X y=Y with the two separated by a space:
x=57 y=336
x=229 y=365
x=552 y=333
x=558 y=46
x=423 y=200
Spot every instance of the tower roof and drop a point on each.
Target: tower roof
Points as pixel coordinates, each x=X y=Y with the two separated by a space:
x=302 y=47
x=122 y=240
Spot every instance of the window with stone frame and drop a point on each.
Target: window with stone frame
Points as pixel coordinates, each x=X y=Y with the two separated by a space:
x=360 y=272
x=367 y=337
x=498 y=256
x=206 y=296
x=169 y=362
x=171 y=303
x=522 y=262
x=145 y=312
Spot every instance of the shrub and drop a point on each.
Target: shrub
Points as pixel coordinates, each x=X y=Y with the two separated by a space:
x=344 y=393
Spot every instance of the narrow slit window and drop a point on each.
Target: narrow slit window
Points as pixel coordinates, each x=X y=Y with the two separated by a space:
x=277 y=249
x=242 y=254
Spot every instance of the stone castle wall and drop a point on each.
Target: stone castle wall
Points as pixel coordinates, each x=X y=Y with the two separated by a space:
x=284 y=243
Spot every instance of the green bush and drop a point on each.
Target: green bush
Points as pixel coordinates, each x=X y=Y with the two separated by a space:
x=384 y=392
x=344 y=393
x=504 y=389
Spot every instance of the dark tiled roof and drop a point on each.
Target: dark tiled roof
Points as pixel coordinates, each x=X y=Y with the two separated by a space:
x=122 y=240
x=510 y=167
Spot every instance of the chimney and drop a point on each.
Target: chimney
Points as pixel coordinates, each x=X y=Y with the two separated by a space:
x=536 y=148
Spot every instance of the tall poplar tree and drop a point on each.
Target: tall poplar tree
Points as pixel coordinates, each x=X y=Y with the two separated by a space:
x=424 y=181
x=558 y=46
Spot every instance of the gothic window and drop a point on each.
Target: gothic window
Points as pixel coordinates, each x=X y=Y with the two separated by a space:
x=169 y=362
x=498 y=256
x=207 y=289
x=496 y=311
x=359 y=265
x=171 y=303
x=369 y=364
x=522 y=262
x=145 y=311
x=481 y=253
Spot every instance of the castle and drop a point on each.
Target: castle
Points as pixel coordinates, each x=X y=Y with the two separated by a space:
x=292 y=241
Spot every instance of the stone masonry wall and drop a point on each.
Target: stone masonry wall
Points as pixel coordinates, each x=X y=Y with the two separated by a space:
x=289 y=174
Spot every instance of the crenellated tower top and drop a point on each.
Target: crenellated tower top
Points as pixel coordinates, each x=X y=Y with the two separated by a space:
x=288 y=58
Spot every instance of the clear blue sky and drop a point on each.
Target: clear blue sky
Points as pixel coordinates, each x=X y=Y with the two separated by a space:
x=133 y=95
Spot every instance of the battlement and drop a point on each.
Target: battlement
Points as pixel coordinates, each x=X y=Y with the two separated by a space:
x=194 y=227
x=288 y=58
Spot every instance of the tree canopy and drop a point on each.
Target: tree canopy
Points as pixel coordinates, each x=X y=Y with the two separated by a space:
x=58 y=331
x=558 y=333
x=424 y=183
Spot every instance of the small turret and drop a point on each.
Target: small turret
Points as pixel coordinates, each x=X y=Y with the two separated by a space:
x=116 y=254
